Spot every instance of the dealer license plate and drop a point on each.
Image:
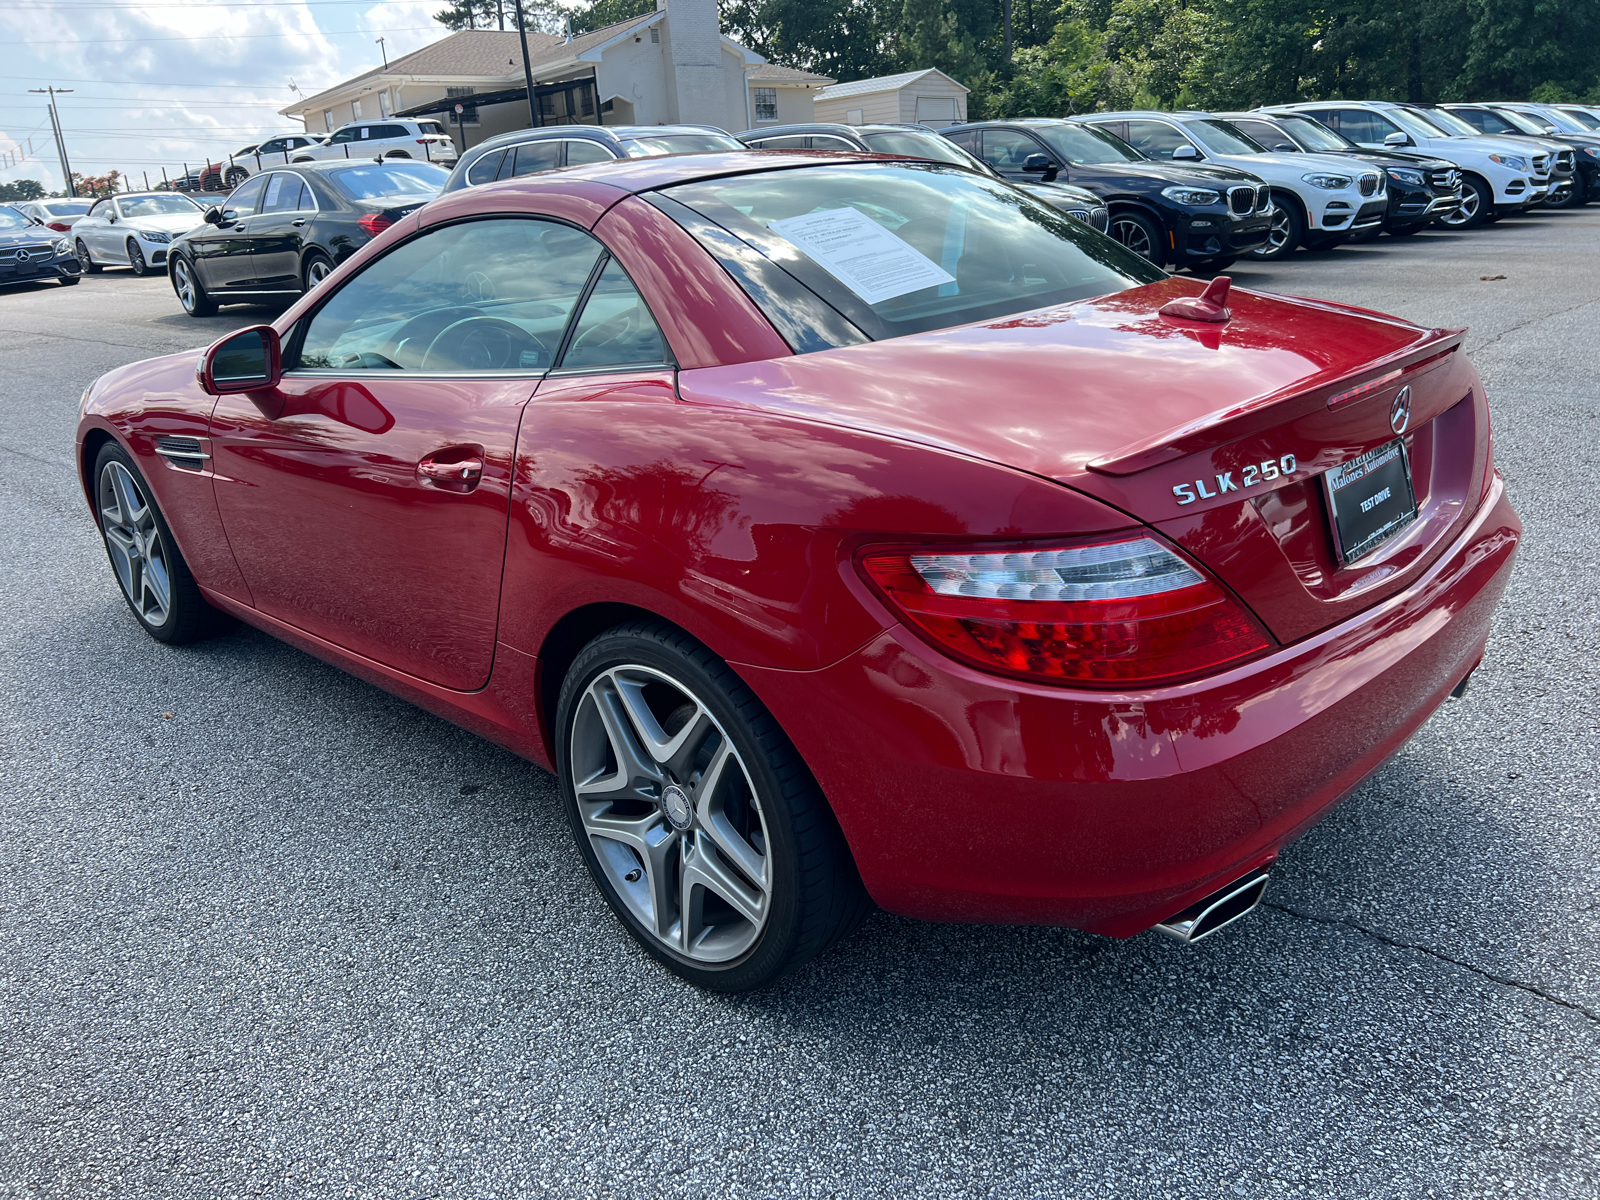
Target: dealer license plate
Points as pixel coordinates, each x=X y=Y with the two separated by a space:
x=1371 y=499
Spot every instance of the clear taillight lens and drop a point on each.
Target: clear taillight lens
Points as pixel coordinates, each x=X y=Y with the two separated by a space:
x=1107 y=614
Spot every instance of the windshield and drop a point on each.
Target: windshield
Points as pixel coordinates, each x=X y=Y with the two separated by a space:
x=10 y=218
x=1452 y=124
x=1221 y=138
x=923 y=145
x=908 y=247
x=157 y=206
x=679 y=143
x=1417 y=125
x=1086 y=144
x=1574 y=120
x=390 y=179
x=66 y=208
x=1313 y=135
x=1524 y=121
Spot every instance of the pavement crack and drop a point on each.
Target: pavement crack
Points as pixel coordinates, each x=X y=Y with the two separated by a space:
x=1384 y=938
x=1517 y=328
x=67 y=337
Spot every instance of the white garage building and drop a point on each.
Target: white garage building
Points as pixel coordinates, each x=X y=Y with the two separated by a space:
x=928 y=97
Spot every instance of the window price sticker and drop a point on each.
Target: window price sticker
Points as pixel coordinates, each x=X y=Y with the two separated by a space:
x=861 y=254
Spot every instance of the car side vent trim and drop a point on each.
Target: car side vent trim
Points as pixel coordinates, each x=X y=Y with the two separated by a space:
x=185 y=453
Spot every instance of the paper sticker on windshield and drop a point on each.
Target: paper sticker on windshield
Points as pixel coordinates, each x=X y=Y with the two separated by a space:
x=861 y=254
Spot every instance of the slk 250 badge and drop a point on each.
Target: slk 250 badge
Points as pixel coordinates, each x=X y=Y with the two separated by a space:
x=1249 y=477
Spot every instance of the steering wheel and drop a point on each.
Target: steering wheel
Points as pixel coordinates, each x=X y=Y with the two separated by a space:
x=613 y=329
x=480 y=343
x=410 y=342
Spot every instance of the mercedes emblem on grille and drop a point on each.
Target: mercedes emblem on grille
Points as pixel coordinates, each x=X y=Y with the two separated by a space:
x=1400 y=410
x=22 y=256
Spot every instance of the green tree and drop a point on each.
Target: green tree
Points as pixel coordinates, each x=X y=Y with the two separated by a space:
x=607 y=12
x=22 y=189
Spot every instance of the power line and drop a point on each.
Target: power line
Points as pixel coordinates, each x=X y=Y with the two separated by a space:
x=246 y=87
x=221 y=37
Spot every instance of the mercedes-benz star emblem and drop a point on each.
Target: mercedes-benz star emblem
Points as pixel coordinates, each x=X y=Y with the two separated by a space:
x=22 y=256
x=675 y=803
x=1400 y=410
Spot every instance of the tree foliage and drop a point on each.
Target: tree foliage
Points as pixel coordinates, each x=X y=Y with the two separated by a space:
x=21 y=189
x=1082 y=55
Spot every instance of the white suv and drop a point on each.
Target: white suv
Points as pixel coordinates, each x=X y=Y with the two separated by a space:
x=386 y=138
x=1319 y=200
x=1498 y=175
x=257 y=156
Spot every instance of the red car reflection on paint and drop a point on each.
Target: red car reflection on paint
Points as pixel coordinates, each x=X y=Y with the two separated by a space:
x=838 y=528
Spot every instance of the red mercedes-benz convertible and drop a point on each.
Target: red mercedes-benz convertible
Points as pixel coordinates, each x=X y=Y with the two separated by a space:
x=837 y=528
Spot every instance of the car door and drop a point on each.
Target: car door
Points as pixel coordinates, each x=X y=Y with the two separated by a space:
x=531 y=158
x=94 y=229
x=222 y=252
x=582 y=150
x=1157 y=139
x=277 y=233
x=1361 y=126
x=1008 y=150
x=366 y=498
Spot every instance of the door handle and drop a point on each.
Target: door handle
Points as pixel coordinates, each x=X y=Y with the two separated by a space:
x=298 y=223
x=459 y=475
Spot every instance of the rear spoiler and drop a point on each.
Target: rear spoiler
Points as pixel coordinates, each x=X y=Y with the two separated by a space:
x=1263 y=412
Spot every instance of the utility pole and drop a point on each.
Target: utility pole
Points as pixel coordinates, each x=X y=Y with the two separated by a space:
x=527 y=70
x=1008 y=30
x=385 y=50
x=55 y=126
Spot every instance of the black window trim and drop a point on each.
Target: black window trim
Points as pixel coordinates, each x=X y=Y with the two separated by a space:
x=296 y=339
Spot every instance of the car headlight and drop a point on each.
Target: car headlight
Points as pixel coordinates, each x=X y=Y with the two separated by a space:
x=1510 y=160
x=1192 y=195
x=1328 y=183
x=1401 y=175
x=62 y=245
x=1592 y=151
x=155 y=236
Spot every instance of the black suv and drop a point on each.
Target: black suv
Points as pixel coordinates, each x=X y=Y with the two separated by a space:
x=1421 y=187
x=1183 y=216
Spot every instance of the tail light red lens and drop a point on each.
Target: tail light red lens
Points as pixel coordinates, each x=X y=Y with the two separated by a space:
x=375 y=223
x=59 y=226
x=1097 y=614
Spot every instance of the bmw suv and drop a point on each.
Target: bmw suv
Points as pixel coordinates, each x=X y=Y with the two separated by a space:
x=1180 y=215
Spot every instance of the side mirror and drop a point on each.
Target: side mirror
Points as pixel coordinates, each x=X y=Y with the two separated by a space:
x=1397 y=139
x=1185 y=153
x=213 y=216
x=247 y=361
x=112 y=217
x=1039 y=164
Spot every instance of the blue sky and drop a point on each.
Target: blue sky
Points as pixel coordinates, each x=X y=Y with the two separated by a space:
x=160 y=83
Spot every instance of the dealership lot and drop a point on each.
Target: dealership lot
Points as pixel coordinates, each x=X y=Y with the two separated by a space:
x=267 y=930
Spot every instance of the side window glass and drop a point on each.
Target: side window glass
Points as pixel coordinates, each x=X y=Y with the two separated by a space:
x=1007 y=149
x=533 y=157
x=824 y=142
x=585 y=151
x=1268 y=135
x=243 y=201
x=1361 y=126
x=616 y=329
x=481 y=296
x=283 y=193
x=485 y=169
x=343 y=136
x=270 y=147
x=1155 y=138
x=967 y=141
x=788 y=142
x=308 y=200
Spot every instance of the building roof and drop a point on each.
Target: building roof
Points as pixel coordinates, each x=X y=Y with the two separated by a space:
x=773 y=73
x=883 y=83
x=479 y=53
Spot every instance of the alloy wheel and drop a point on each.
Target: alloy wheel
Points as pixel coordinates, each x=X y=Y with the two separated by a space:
x=82 y=253
x=1278 y=236
x=183 y=281
x=671 y=814
x=318 y=270
x=134 y=542
x=136 y=258
x=1466 y=211
x=1134 y=236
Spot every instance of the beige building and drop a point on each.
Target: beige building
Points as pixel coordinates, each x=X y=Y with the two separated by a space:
x=928 y=97
x=782 y=95
x=667 y=67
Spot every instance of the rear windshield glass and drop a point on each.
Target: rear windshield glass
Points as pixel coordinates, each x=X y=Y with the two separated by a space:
x=679 y=143
x=1579 y=121
x=390 y=179
x=67 y=208
x=158 y=206
x=922 y=145
x=907 y=247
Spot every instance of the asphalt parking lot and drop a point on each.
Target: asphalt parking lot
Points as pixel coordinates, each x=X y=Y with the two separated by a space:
x=267 y=931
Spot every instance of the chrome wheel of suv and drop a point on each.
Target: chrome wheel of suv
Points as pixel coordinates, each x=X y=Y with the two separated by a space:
x=1469 y=212
x=1137 y=234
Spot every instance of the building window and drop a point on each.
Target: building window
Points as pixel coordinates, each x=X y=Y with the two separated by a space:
x=355 y=110
x=766 y=102
x=470 y=115
x=655 y=34
x=383 y=102
x=327 y=119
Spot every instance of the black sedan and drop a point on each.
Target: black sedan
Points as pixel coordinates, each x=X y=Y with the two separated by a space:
x=1185 y=216
x=1420 y=189
x=282 y=232
x=31 y=252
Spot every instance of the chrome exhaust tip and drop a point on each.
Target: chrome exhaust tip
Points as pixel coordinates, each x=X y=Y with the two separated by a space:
x=1223 y=907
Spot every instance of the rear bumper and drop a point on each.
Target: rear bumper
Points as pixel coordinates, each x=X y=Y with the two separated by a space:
x=968 y=798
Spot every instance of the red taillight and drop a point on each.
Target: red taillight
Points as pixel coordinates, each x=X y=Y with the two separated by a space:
x=59 y=226
x=1102 y=614
x=375 y=223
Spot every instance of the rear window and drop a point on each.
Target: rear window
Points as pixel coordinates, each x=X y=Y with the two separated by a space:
x=389 y=179
x=919 y=145
x=159 y=206
x=904 y=248
x=430 y=127
x=66 y=208
x=679 y=143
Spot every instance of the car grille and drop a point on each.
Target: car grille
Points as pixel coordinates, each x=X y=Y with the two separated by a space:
x=1449 y=180
x=1263 y=198
x=1368 y=184
x=23 y=254
x=1541 y=164
x=1565 y=162
x=1242 y=200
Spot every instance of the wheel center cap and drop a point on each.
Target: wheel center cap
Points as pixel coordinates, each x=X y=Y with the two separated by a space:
x=675 y=803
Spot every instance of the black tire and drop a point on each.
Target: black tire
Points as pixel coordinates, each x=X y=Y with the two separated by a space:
x=185 y=617
x=1573 y=198
x=1288 y=231
x=1140 y=234
x=1366 y=236
x=192 y=294
x=69 y=280
x=1477 y=206
x=314 y=270
x=814 y=896
x=136 y=259
x=85 y=259
x=236 y=176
